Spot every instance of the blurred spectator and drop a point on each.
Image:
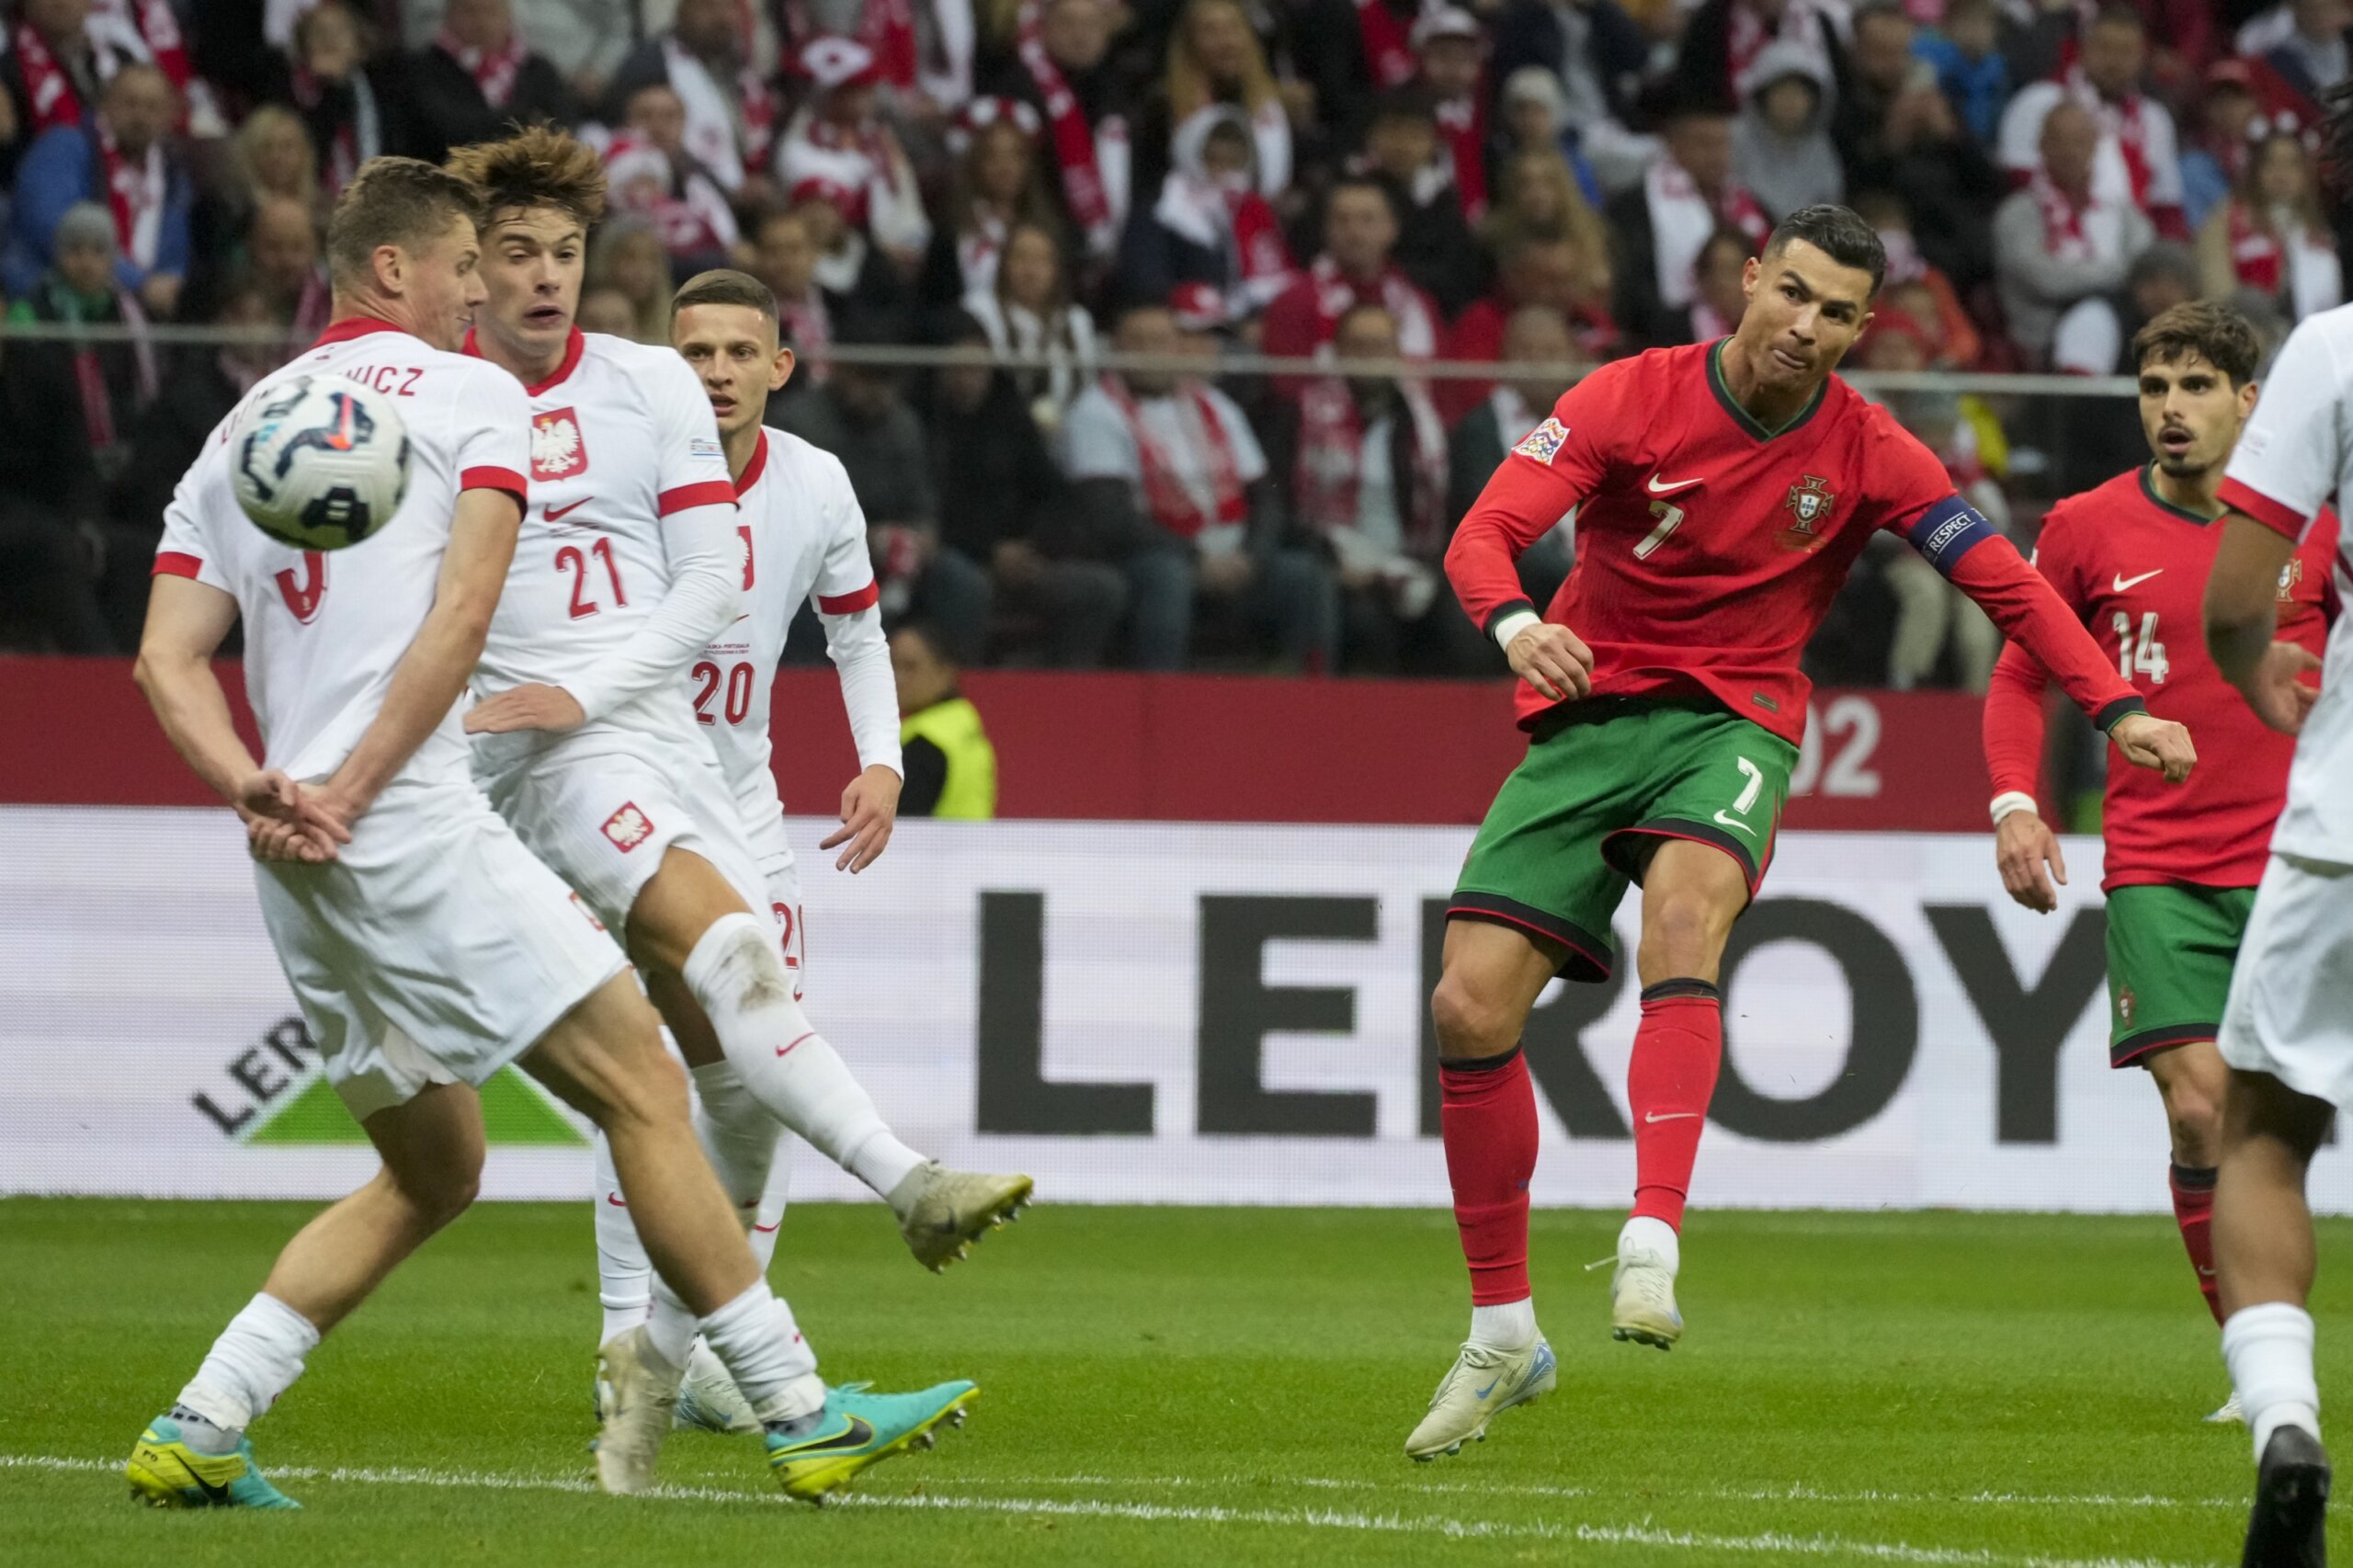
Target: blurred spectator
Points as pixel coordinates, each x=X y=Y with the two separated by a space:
x=1060 y=71
x=2138 y=160
x=1536 y=341
x=1004 y=501
x=60 y=55
x=2095 y=438
x=1930 y=297
x=1596 y=55
x=1348 y=53
x=1539 y=195
x=1027 y=311
x=2061 y=240
x=2217 y=154
x=1780 y=145
x=70 y=407
x=1965 y=53
x=627 y=257
x=848 y=267
x=1452 y=49
x=731 y=114
x=478 y=75
x=1899 y=132
x=1359 y=233
x=1720 y=291
x=649 y=171
x=281 y=246
x=353 y=111
x=1534 y=117
x=2312 y=57
x=922 y=49
x=586 y=41
x=1176 y=454
x=1723 y=39
x=1366 y=457
x=122 y=160
x=951 y=766
x=1537 y=269
x=1209 y=226
x=862 y=416
x=1434 y=248
x=269 y=157
x=1659 y=227
x=784 y=256
x=1000 y=183
x=839 y=138
x=606 y=309
x=1882 y=66
x=1215 y=58
x=2272 y=235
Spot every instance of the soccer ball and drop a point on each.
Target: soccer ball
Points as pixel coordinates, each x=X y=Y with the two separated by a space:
x=319 y=461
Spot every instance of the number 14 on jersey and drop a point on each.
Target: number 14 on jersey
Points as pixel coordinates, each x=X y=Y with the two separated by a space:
x=2144 y=657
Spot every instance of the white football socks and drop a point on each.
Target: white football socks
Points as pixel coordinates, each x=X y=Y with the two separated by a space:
x=756 y=1340
x=737 y=1132
x=1511 y=1326
x=736 y=975
x=2268 y=1348
x=257 y=1359
x=1643 y=1233
x=624 y=1276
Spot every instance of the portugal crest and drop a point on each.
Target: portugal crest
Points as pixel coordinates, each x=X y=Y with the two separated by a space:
x=1809 y=502
x=557 y=451
x=2290 y=575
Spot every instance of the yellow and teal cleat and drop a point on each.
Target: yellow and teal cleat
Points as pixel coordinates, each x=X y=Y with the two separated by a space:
x=858 y=1429
x=165 y=1472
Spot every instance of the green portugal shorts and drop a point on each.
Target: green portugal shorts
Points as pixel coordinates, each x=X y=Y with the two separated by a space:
x=1603 y=782
x=2170 y=947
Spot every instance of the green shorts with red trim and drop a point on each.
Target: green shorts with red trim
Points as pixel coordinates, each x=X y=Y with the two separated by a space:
x=2170 y=948
x=1604 y=782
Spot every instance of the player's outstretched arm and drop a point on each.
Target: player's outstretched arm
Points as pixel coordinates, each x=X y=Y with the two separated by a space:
x=2242 y=611
x=2014 y=730
x=433 y=673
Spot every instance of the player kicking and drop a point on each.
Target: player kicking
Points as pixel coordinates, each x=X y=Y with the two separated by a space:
x=2285 y=1033
x=2131 y=559
x=426 y=947
x=1725 y=488
x=628 y=568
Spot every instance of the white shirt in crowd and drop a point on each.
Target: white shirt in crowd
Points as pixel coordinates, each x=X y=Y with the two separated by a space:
x=1095 y=443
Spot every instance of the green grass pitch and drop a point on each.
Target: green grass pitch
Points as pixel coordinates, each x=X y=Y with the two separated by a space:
x=1182 y=1386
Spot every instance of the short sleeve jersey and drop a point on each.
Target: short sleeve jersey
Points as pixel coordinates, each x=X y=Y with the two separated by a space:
x=804 y=537
x=323 y=632
x=2294 y=457
x=621 y=437
x=2134 y=569
x=1710 y=547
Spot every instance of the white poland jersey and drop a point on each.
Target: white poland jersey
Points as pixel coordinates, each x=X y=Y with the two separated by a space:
x=629 y=553
x=804 y=535
x=324 y=631
x=2294 y=457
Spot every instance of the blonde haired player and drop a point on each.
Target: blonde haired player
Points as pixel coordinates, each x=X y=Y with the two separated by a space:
x=629 y=564
x=426 y=947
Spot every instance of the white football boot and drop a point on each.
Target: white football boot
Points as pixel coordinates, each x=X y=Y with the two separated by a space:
x=1642 y=1290
x=1482 y=1382
x=636 y=1392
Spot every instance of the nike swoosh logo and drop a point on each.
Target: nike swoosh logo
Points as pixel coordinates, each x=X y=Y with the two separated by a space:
x=557 y=513
x=767 y=1229
x=216 y=1494
x=1658 y=489
x=2122 y=582
x=1651 y=1116
x=615 y=1199
x=1484 y=1392
x=857 y=1435
x=787 y=1049
x=1735 y=825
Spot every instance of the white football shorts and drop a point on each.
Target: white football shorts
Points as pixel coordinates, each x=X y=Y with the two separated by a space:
x=2291 y=1007
x=603 y=813
x=784 y=902
x=433 y=950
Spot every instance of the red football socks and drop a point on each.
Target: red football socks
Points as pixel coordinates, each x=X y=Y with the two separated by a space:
x=2193 y=1210
x=1677 y=1048
x=1487 y=1117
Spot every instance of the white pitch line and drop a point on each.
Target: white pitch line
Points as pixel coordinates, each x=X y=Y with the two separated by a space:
x=1776 y=1543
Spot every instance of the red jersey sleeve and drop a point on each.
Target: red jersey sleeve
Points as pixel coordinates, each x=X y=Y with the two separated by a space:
x=2015 y=720
x=1553 y=468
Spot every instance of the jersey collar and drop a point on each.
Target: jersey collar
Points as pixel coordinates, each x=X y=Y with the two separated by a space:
x=2149 y=489
x=757 y=466
x=1741 y=416
x=573 y=347
x=349 y=328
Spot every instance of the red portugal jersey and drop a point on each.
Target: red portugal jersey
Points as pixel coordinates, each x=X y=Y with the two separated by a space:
x=1709 y=548
x=2135 y=568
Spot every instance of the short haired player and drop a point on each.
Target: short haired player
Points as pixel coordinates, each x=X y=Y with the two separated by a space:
x=1724 y=490
x=425 y=945
x=2287 y=1032
x=2131 y=560
x=629 y=563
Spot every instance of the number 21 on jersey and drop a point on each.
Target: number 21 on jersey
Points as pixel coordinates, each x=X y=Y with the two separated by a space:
x=2144 y=657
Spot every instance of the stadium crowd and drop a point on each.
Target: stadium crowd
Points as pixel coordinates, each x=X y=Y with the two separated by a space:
x=1527 y=182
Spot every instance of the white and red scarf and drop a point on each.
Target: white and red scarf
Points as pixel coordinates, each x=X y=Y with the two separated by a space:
x=56 y=98
x=727 y=134
x=1746 y=36
x=979 y=249
x=2128 y=121
x=494 y=70
x=1328 y=477
x=1681 y=220
x=1170 y=500
x=687 y=210
x=2294 y=264
x=356 y=139
x=1406 y=305
x=98 y=421
x=2257 y=258
x=1093 y=160
x=809 y=328
x=1462 y=129
x=135 y=193
x=1388 y=44
x=887 y=27
x=1241 y=225
x=2069 y=233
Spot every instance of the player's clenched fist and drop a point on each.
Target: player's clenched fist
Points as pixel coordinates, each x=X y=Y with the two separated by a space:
x=2023 y=845
x=2148 y=741
x=1554 y=660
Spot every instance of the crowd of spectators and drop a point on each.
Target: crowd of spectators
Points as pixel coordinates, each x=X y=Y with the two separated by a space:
x=1527 y=182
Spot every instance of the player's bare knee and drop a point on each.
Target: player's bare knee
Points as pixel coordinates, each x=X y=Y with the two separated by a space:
x=1683 y=934
x=1472 y=1020
x=435 y=1194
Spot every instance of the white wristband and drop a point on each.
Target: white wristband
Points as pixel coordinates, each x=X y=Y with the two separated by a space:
x=2011 y=800
x=1515 y=623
